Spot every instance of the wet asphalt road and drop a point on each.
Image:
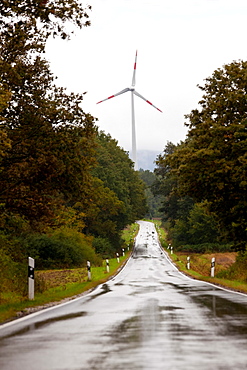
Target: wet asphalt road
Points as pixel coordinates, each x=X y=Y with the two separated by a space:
x=149 y=316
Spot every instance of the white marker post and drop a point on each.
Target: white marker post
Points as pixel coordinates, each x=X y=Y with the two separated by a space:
x=188 y=263
x=30 y=278
x=117 y=257
x=89 y=270
x=171 y=250
x=212 y=267
x=107 y=265
x=123 y=252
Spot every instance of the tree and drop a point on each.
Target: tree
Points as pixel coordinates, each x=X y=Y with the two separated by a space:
x=48 y=164
x=52 y=147
x=211 y=164
x=50 y=15
x=117 y=198
x=188 y=223
x=48 y=143
x=5 y=142
x=105 y=213
x=153 y=201
x=197 y=227
x=116 y=171
x=173 y=206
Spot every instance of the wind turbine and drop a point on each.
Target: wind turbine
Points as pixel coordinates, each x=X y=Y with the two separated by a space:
x=133 y=91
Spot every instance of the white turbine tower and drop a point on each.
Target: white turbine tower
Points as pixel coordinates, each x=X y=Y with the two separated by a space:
x=133 y=91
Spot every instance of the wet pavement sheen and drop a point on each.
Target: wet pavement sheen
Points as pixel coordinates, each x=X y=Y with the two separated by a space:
x=149 y=316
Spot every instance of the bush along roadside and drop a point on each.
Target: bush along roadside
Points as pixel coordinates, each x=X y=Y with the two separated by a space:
x=56 y=286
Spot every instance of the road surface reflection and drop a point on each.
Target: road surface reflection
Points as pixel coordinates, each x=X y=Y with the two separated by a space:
x=149 y=316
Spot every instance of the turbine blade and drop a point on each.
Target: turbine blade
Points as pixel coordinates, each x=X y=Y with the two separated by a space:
x=140 y=96
x=113 y=96
x=134 y=72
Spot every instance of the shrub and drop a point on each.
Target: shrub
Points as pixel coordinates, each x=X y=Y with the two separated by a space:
x=103 y=247
x=13 y=265
x=63 y=248
x=13 y=275
x=237 y=271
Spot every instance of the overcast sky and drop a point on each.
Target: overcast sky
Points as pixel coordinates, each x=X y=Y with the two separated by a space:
x=179 y=43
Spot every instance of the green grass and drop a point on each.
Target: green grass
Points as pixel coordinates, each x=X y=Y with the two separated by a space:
x=129 y=234
x=161 y=232
x=17 y=305
x=202 y=265
x=181 y=260
x=64 y=283
x=70 y=283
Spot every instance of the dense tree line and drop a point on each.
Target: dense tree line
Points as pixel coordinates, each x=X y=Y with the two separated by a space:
x=66 y=189
x=154 y=201
x=204 y=177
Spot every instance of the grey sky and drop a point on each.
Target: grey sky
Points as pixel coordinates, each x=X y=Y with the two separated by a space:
x=179 y=43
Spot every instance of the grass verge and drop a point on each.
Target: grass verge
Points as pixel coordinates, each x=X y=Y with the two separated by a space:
x=203 y=271
x=61 y=290
x=55 y=286
x=201 y=264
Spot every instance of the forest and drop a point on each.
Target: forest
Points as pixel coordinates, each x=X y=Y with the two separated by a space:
x=67 y=189
x=203 y=179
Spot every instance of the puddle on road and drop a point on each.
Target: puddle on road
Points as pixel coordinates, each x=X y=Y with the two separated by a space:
x=230 y=317
x=139 y=289
x=104 y=289
x=40 y=324
x=170 y=308
x=233 y=316
x=140 y=336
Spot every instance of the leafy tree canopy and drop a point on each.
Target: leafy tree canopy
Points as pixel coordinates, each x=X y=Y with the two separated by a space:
x=5 y=142
x=46 y=138
x=50 y=15
x=116 y=171
x=49 y=146
x=153 y=200
x=211 y=164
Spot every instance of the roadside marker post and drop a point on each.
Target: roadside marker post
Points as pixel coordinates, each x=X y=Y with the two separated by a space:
x=30 y=278
x=188 y=263
x=107 y=265
x=212 y=267
x=117 y=257
x=171 y=250
x=123 y=252
x=89 y=270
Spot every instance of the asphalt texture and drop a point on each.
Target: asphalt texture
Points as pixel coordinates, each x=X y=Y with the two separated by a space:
x=149 y=316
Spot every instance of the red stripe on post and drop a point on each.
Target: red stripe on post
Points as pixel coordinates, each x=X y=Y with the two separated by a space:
x=149 y=102
x=111 y=97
